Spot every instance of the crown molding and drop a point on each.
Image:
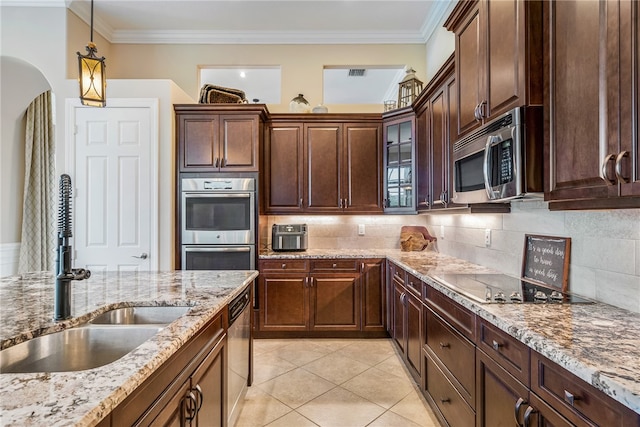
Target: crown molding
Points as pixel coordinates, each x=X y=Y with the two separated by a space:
x=265 y=37
x=440 y=10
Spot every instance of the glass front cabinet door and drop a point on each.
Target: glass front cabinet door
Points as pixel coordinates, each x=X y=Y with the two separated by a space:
x=399 y=165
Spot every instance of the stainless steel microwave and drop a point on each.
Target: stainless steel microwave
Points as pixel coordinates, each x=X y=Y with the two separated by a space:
x=501 y=161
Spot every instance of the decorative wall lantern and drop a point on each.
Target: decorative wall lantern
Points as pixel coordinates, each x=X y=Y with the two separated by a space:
x=92 y=78
x=409 y=88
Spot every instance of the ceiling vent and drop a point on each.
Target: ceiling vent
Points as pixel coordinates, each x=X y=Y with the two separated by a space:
x=356 y=72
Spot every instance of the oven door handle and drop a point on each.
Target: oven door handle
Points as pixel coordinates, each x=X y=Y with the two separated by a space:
x=216 y=194
x=218 y=249
x=491 y=140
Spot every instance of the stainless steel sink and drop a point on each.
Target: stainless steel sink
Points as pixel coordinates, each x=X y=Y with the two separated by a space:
x=74 y=349
x=160 y=315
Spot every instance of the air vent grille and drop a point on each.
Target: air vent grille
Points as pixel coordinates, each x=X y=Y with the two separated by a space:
x=356 y=72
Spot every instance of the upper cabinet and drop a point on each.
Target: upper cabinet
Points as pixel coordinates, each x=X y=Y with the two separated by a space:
x=592 y=89
x=498 y=52
x=219 y=138
x=399 y=160
x=323 y=164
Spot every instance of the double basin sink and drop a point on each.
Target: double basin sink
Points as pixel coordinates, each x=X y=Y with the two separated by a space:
x=102 y=340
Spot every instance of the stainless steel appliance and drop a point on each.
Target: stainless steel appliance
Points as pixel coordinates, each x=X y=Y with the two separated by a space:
x=289 y=237
x=504 y=289
x=501 y=161
x=240 y=349
x=218 y=223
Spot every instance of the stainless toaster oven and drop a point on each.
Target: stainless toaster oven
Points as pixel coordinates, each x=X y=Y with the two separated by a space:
x=289 y=237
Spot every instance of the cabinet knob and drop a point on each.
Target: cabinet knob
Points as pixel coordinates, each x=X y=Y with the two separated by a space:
x=284 y=266
x=334 y=265
x=570 y=398
x=496 y=345
x=445 y=400
x=444 y=345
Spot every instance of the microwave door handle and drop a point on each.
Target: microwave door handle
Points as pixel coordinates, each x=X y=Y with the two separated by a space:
x=485 y=168
x=215 y=194
x=218 y=249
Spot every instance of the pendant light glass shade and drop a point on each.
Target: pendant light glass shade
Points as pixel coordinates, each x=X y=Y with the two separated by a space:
x=92 y=78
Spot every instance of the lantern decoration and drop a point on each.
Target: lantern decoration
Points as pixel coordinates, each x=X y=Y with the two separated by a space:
x=92 y=78
x=409 y=88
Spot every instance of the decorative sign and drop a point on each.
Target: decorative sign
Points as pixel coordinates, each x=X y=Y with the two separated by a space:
x=546 y=260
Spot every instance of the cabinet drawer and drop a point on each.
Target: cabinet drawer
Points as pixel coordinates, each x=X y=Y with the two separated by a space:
x=450 y=403
x=396 y=273
x=575 y=399
x=510 y=353
x=414 y=285
x=455 y=352
x=334 y=265
x=285 y=265
x=459 y=317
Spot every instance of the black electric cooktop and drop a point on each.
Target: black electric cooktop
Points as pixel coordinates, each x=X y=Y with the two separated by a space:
x=503 y=289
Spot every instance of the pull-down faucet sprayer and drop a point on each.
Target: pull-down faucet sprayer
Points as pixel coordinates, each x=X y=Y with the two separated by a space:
x=64 y=273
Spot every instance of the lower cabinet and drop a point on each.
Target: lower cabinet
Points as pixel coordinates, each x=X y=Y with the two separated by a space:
x=187 y=390
x=474 y=374
x=321 y=297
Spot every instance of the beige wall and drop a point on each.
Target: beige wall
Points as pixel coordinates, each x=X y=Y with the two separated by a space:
x=301 y=65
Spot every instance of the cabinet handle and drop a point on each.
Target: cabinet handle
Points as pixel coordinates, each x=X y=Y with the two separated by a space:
x=527 y=416
x=604 y=175
x=216 y=163
x=570 y=398
x=481 y=110
x=362 y=267
x=445 y=400
x=496 y=345
x=518 y=406
x=189 y=406
x=426 y=201
x=284 y=265
x=444 y=345
x=618 y=167
x=475 y=112
x=199 y=396
x=300 y=204
x=334 y=265
x=223 y=163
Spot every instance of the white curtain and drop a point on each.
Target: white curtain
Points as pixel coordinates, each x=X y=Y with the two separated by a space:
x=37 y=249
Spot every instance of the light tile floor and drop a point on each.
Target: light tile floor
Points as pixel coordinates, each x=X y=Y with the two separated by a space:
x=332 y=383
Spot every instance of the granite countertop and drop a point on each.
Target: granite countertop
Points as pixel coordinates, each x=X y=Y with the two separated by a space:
x=596 y=342
x=83 y=398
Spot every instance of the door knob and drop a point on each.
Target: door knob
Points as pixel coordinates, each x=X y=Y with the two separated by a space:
x=143 y=255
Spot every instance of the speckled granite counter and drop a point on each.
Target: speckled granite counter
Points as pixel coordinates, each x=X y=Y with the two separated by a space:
x=83 y=398
x=598 y=343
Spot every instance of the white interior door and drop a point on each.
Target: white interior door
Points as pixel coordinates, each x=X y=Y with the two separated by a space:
x=115 y=188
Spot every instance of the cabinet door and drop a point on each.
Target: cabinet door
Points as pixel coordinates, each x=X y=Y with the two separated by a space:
x=577 y=133
x=413 y=308
x=335 y=302
x=424 y=161
x=208 y=384
x=361 y=165
x=283 y=302
x=470 y=67
x=283 y=161
x=497 y=393
x=239 y=136
x=322 y=154
x=399 y=158
x=198 y=142
x=399 y=334
x=177 y=412
x=373 y=295
x=439 y=147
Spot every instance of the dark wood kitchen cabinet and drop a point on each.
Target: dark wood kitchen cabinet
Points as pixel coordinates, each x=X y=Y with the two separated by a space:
x=407 y=323
x=593 y=93
x=399 y=161
x=187 y=390
x=329 y=164
x=498 y=55
x=219 y=138
x=321 y=297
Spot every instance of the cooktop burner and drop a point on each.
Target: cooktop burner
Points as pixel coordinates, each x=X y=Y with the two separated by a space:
x=503 y=289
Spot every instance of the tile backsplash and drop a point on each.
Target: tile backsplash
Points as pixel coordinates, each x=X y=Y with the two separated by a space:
x=605 y=245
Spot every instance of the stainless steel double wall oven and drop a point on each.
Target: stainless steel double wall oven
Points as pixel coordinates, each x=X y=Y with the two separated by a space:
x=218 y=223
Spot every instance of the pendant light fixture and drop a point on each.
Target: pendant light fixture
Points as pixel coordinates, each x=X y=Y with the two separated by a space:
x=92 y=79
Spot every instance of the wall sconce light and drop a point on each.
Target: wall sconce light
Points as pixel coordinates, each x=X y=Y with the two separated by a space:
x=409 y=88
x=92 y=78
